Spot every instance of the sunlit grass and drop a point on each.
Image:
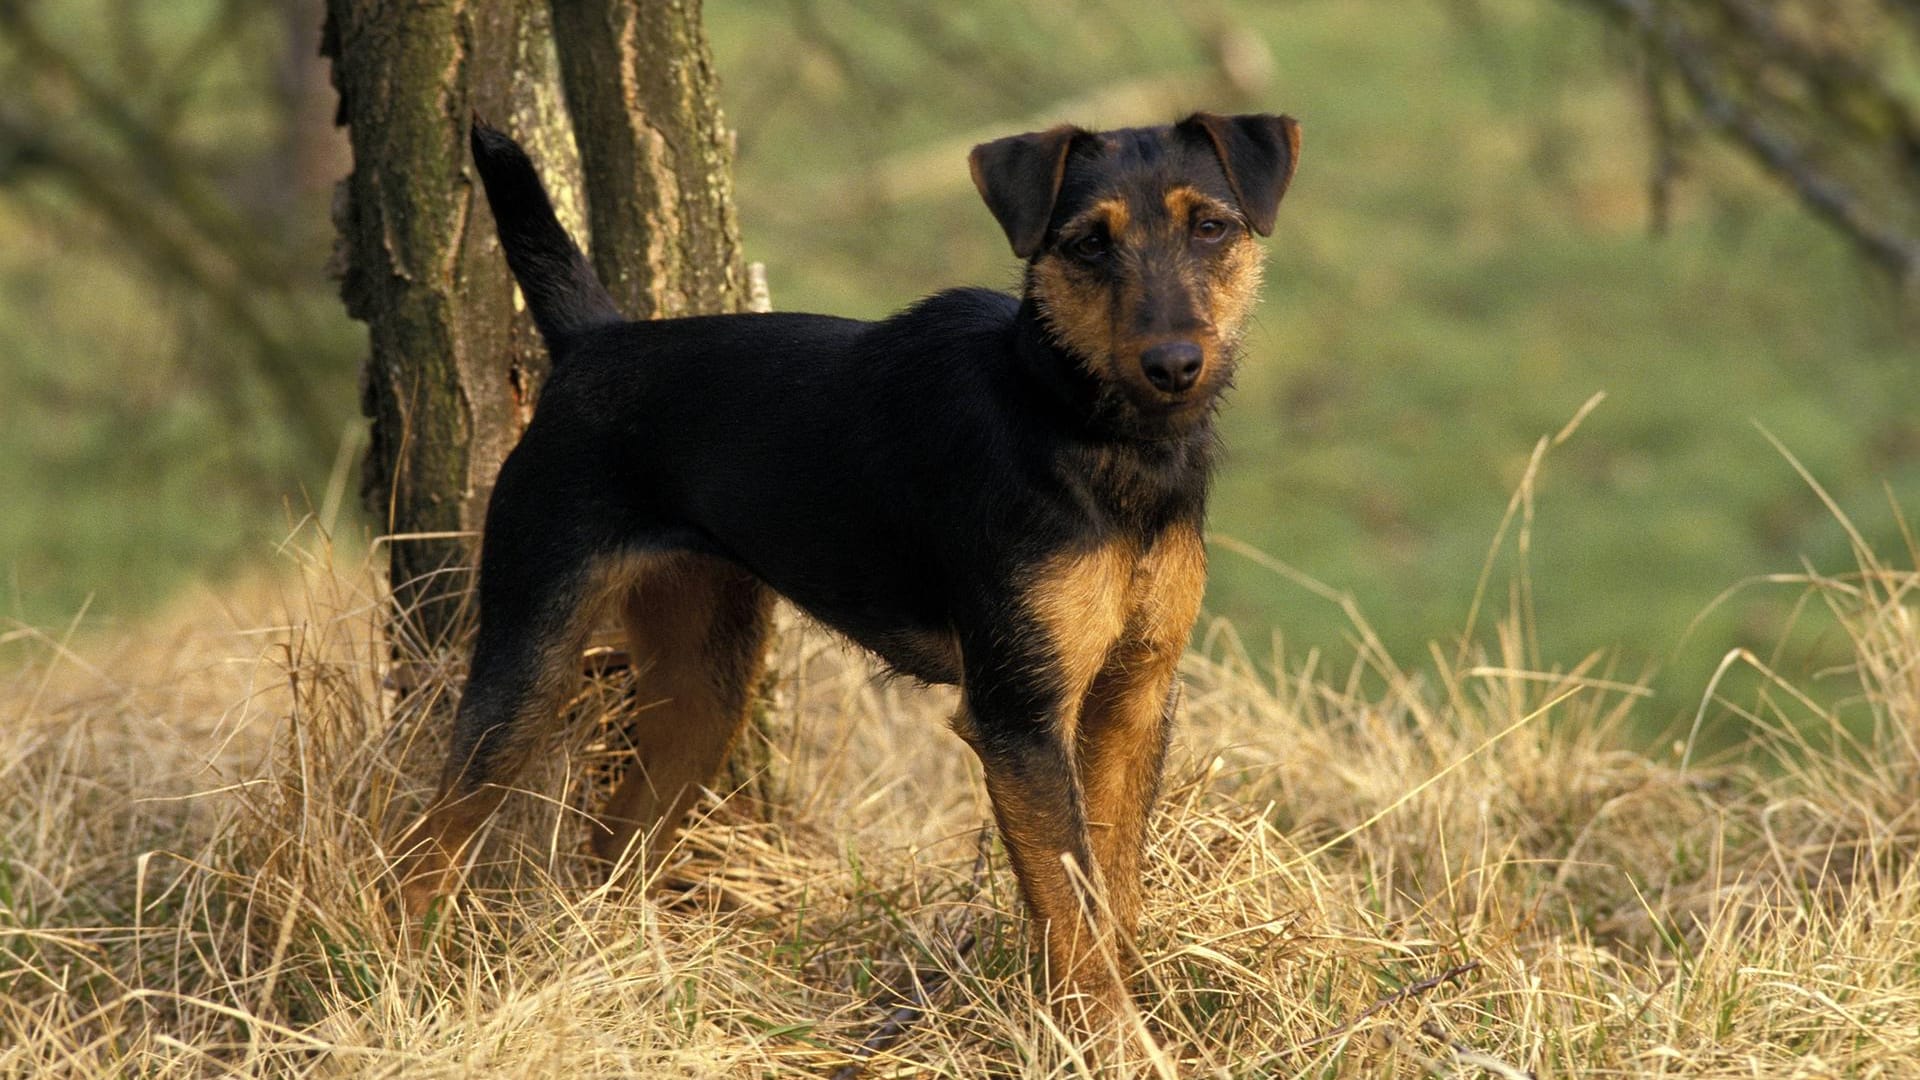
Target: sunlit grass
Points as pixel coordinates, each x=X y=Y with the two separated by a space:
x=1421 y=865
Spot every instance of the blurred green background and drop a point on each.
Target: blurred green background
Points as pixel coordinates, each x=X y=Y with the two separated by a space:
x=1465 y=259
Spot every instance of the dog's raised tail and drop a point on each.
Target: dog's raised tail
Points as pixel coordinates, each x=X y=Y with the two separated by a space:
x=561 y=288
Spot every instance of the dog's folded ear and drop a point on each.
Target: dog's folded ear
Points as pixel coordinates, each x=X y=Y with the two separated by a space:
x=1019 y=177
x=1258 y=152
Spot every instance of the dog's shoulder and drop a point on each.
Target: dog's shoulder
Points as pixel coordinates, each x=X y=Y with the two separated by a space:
x=963 y=310
x=952 y=321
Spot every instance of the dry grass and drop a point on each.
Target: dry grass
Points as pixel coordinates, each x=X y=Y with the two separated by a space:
x=1454 y=871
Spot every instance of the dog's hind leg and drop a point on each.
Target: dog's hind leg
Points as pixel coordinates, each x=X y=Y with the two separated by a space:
x=697 y=627
x=542 y=580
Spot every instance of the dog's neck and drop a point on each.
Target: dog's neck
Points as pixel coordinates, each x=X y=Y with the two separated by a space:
x=1147 y=479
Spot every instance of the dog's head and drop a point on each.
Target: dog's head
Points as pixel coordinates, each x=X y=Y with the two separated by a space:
x=1140 y=249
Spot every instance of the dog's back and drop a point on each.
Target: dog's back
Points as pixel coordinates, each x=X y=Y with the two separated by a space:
x=854 y=466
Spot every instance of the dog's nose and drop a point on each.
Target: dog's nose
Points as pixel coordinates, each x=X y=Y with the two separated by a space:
x=1172 y=367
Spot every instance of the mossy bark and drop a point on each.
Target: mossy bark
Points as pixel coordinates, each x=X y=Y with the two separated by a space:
x=453 y=368
x=657 y=155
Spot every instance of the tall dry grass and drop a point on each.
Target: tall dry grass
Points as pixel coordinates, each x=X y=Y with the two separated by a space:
x=1451 y=867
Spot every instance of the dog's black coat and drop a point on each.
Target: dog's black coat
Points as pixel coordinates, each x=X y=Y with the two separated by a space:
x=889 y=478
x=1003 y=493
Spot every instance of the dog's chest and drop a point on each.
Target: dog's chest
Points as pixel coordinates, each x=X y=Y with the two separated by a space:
x=930 y=655
x=902 y=614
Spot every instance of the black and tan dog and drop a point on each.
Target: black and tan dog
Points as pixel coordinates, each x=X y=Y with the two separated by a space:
x=1001 y=493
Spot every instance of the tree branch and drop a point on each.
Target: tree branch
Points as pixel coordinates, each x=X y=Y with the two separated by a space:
x=1847 y=149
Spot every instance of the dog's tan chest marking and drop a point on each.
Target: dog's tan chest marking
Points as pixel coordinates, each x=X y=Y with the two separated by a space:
x=1117 y=604
x=1164 y=595
x=1079 y=599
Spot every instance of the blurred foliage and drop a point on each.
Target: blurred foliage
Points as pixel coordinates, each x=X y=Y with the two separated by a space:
x=1822 y=94
x=176 y=358
x=1465 y=259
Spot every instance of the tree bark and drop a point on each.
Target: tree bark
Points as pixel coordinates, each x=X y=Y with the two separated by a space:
x=454 y=368
x=657 y=155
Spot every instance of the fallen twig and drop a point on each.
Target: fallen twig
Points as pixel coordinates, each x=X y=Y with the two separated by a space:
x=1467 y=1055
x=926 y=984
x=1402 y=994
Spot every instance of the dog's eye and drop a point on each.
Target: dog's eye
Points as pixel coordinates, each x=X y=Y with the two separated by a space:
x=1091 y=247
x=1209 y=229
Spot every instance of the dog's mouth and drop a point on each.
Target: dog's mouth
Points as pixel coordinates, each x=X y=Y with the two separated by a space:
x=1156 y=387
x=1141 y=412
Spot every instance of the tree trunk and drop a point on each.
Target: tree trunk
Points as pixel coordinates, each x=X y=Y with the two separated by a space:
x=657 y=154
x=454 y=369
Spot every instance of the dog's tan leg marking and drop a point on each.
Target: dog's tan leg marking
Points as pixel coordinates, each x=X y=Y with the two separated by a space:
x=1124 y=725
x=1037 y=808
x=525 y=665
x=471 y=791
x=698 y=632
x=431 y=850
x=1078 y=603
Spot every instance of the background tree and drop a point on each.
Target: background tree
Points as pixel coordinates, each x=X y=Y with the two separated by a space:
x=455 y=368
x=1819 y=93
x=641 y=88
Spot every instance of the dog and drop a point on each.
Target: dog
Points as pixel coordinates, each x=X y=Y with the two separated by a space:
x=1004 y=493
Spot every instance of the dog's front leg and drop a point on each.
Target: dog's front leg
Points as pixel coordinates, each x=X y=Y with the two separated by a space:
x=1029 y=664
x=1121 y=751
x=1125 y=724
x=1029 y=766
